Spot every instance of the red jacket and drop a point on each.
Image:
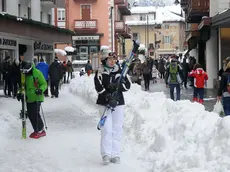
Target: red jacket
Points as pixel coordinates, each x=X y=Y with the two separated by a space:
x=200 y=76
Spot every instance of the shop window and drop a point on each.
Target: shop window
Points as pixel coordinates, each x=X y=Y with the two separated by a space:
x=61 y=15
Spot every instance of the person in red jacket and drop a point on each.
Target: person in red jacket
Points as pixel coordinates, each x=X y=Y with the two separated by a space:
x=200 y=77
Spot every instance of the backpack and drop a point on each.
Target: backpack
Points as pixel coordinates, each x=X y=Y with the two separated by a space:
x=173 y=71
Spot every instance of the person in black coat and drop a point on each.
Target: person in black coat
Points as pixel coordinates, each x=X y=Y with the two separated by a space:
x=16 y=76
x=6 y=70
x=105 y=82
x=224 y=89
x=185 y=67
x=55 y=73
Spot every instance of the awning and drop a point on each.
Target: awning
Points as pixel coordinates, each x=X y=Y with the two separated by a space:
x=222 y=19
x=34 y=29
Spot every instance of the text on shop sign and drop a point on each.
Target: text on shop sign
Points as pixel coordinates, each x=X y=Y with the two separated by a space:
x=8 y=42
x=40 y=46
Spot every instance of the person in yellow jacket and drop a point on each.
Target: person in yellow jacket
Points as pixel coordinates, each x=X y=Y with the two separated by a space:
x=35 y=86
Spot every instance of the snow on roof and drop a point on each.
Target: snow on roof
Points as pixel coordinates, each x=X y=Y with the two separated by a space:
x=174 y=8
x=162 y=14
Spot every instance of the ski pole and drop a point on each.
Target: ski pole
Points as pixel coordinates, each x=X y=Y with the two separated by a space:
x=43 y=116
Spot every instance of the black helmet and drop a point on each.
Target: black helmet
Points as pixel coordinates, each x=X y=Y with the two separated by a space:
x=26 y=67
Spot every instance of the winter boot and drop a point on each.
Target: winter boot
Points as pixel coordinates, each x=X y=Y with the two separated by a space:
x=32 y=134
x=106 y=159
x=195 y=99
x=115 y=160
x=39 y=134
x=201 y=101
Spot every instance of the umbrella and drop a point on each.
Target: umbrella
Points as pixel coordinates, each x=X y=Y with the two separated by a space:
x=61 y=52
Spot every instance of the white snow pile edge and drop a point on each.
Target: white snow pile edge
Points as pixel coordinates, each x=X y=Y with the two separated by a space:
x=173 y=136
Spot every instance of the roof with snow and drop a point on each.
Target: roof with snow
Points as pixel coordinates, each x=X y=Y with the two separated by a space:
x=163 y=14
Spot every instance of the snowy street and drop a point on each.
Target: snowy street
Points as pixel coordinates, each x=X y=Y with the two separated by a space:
x=160 y=135
x=71 y=144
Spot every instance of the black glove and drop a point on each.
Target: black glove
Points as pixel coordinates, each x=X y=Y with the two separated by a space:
x=38 y=91
x=19 y=96
x=113 y=87
x=112 y=101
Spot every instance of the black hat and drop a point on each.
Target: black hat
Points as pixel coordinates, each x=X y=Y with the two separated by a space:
x=26 y=67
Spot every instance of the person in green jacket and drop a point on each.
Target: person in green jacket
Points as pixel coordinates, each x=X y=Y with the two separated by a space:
x=35 y=85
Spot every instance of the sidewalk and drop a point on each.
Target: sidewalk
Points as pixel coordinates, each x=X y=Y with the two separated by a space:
x=186 y=94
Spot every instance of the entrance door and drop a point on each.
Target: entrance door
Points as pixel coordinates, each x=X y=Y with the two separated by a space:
x=83 y=51
x=85 y=12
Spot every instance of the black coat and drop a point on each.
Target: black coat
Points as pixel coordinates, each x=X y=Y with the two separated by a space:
x=223 y=82
x=15 y=71
x=102 y=81
x=55 y=71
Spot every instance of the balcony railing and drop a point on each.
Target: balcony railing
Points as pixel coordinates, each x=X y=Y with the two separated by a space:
x=86 y=25
x=196 y=9
x=127 y=32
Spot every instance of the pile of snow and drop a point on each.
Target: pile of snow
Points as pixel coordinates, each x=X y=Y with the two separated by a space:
x=69 y=49
x=172 y=136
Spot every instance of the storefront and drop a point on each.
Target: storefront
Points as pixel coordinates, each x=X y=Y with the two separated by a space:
x=86 y=45
x=43 y=50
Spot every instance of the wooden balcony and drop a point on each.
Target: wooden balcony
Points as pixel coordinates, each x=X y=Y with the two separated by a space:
x=119 y=26
x=123 y=6
x=86 y=26
x=192 y=32
x=122 y=29
x=196 y=9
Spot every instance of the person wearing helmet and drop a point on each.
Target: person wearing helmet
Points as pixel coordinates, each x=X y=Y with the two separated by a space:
x=174 y=77
x=105 y=82
x=35 y=85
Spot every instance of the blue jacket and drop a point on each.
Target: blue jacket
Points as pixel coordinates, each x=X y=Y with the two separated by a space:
x=44 y=68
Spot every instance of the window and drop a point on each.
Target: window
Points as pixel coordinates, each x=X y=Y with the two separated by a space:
x=151 y=53
x=166 y=26
x=19 y=10
x=136 y=36
x=49 y=19
x=29 y=13
x=3 y=6
x=41 y=16
x=167 y=39
x=61 y=15
x=142 y=17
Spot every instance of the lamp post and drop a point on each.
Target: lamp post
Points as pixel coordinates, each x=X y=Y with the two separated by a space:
x=112 y=30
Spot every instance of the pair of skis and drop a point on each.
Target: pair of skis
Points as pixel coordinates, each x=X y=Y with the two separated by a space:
x=23 y=111
x=124 y=72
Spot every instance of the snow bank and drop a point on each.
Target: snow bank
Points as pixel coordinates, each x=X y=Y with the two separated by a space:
x=173 y=136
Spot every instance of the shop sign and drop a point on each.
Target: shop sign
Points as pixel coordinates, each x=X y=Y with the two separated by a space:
x=42 y=46
x=8 y=42
x=86 y=37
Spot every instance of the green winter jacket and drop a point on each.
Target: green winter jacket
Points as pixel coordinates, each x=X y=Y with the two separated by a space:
x=31 y=80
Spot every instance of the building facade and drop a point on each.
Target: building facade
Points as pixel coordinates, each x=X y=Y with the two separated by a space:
x=160 y=30
x=208 y=34
x=29 y=30
x=92 y=28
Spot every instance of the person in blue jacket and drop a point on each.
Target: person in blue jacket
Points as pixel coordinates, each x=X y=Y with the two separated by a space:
x=44 y=68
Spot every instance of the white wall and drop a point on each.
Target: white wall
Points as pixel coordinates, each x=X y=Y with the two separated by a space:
x=211 y=58
x=0 y=5
x=217 y=6
x=35 y=10
x=136 y=17
x=12 y=7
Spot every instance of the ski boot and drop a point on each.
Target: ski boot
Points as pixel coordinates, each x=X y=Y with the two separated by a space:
x=115 y=160
x=106 y=159
x=195 y=99
x=37 y=135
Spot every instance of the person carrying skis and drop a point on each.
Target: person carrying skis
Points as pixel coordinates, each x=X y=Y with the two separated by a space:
x=105 y=81
x=200 y=77
x=35 y=85
x=174 y=78
x=224 y=89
